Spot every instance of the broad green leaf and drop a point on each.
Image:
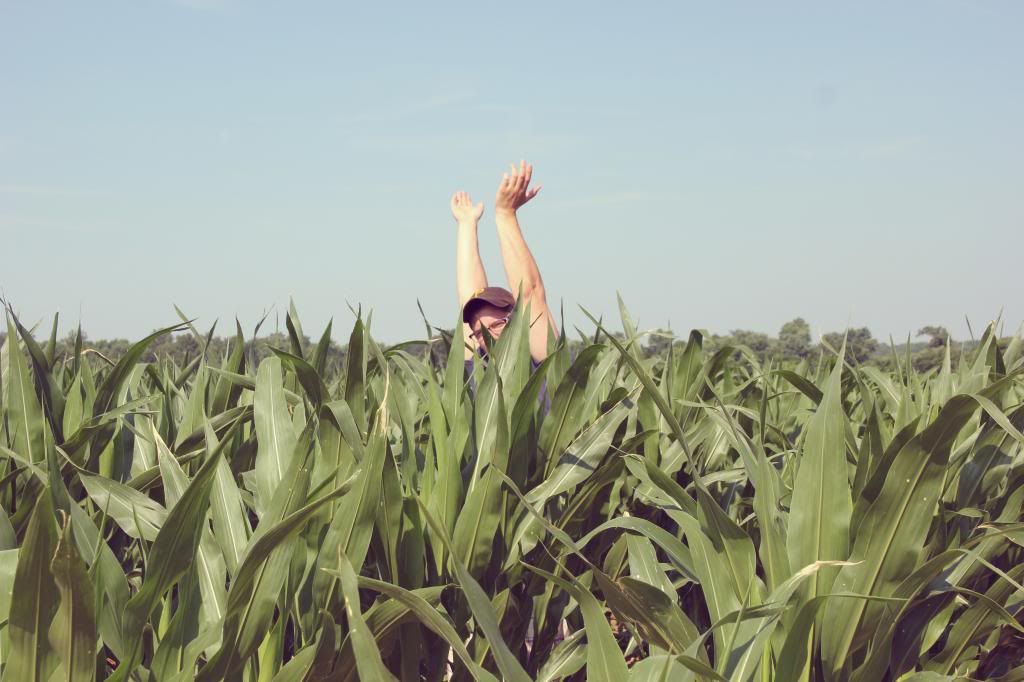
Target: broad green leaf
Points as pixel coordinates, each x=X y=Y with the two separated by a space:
x=173 y=657
x=352 y=525
x=564 y=419
x=566 y=658
x=604 y=658
x=430 y=617
x=138 y=515
x=819 y=515
x=24 y=414
x=368 y=660
x=983 y=617
x=479 y=518
x=890 y=538
x=31 y=659
x=481 y=607
x=171 y=555
x=355 y=375
x=582 y=455
x=209 y=564
x=73 y=631
x=274 y=432
x=256 y=587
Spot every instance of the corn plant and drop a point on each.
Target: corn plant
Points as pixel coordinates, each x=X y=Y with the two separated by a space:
x=693 y=516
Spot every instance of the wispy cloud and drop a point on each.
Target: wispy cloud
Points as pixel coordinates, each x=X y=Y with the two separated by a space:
x=614 y=198
x=458 y=141
x=862 y=150
x=52 y=191
x=202 y=4
x=411 y=107
x=7 y=143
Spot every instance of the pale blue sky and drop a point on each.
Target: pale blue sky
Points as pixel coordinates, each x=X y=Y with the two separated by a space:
x=723 y=165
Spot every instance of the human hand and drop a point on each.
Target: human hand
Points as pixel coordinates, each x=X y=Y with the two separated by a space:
x=464 y=210
x=515 y=190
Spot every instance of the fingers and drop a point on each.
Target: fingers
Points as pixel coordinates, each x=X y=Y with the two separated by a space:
x=461 y=200
x=517 y=179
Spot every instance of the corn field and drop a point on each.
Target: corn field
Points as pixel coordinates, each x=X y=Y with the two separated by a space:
x=693 y=516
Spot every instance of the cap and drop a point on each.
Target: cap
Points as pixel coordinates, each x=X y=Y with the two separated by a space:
x=496 y=296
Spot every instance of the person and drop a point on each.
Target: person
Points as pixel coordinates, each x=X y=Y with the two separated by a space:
x=486 y=309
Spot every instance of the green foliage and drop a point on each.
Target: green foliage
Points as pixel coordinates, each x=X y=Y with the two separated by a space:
x=860 y=344
x=683 y=510
x=795 y=339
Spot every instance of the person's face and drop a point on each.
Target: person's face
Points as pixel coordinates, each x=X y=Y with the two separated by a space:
x=490 y=318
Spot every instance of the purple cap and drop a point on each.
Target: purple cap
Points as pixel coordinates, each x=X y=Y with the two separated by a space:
x=496 y=296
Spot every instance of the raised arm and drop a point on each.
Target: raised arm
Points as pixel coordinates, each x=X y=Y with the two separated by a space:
x=469 y=269
x=520 y=266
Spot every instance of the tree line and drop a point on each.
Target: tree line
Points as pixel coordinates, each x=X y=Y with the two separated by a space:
x=792 y=344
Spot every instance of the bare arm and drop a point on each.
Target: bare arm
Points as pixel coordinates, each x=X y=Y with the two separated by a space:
x=469 y=269
x=520 y=265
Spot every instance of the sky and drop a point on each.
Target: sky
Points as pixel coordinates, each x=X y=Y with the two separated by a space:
x=725 y=165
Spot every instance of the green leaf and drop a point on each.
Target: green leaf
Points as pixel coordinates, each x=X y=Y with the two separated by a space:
x=274 y=432
x=311 y=382
x=209 y=564
x=47 y=386
x=368 y=661
x=172 y=554
x=659 y=400
x=565 y=660
x=73 y=631
x=355 y=375
x=481 y=512
x=604 y=658
x=226 y=393
x=481 y=607
x=895 y=526
x=256 y=588
x=173 y=657
x=31 y=659
x=352 y=525
x=581 y=457
x=983 y=617
x=819 y=516
x=24 y=415
x=110 y=388
x=257 y=585
x=430 y=617
x=564 y=419
x=659 y=619
x=138 y=515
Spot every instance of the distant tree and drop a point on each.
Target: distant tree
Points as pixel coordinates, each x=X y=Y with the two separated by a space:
x=795 y=339
x=758 y=342
x=860 y=344
x=658 y=342
x=181 y=347
x=939 y=336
